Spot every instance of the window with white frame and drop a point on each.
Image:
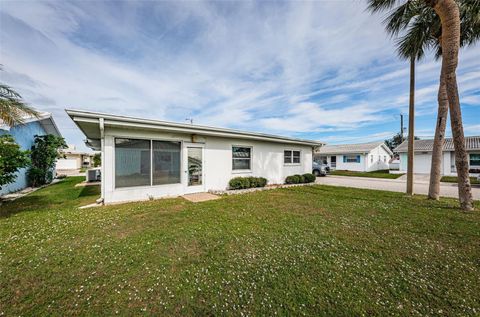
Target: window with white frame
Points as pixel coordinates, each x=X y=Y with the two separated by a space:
x=351 y=159
x=475 y=159
x=385 y=158
x=241 y=158
x=371 y=158
x=291 y=157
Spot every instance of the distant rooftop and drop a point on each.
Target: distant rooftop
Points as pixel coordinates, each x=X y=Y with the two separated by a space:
x=44 y=118
x=350 y=148
x=471 y=143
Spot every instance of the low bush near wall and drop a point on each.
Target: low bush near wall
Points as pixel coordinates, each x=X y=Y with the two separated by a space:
x=247 y=182
x=300 y=179
x=309 y=178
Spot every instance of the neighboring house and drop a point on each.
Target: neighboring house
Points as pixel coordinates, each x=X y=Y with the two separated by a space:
x=24 y=135
x=74 y=159
x=423 y=156
x=363 y=157
x=143 y=158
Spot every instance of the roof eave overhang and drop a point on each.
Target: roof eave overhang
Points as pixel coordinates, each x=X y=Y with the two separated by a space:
x=113 y=121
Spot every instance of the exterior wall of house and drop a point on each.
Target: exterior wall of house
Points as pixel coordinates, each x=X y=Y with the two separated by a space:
x=71 y=161
x=422 y=163
x=351 y=166
x=267 y=161
x=377 y=159
x=24 y=136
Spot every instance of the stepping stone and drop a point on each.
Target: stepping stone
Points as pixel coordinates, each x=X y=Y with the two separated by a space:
x=199 y=197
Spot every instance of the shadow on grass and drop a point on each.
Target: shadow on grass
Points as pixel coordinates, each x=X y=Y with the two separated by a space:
x=89 y=191
x=56 y=196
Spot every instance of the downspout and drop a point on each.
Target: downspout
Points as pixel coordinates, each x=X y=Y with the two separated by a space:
x=102 y=158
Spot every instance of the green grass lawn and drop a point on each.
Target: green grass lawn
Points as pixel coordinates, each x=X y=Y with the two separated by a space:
x=374 y=174
x=311 y=250
x=453 y=179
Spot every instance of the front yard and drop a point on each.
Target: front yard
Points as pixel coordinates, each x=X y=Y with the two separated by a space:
x=374 y=174
x=454 y=179
x=312 y=250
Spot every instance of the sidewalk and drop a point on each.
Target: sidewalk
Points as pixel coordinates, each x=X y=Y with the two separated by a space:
x=394 y=185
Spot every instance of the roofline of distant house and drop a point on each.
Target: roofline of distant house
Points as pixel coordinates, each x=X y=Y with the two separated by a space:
x=116 y=120
x=405 y=150
x=42 y=116
x=323 y=151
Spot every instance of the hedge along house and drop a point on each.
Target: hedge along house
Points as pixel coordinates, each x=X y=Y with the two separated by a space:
x=362 y=157
x=422 y=158
x=24 y=135
x=143 y=158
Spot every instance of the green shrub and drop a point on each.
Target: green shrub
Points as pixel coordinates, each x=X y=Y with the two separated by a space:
x=309 y=178
x=261 y=181
x=247 y=182
x=293 y=179
x=301 y=179
x=237 y=183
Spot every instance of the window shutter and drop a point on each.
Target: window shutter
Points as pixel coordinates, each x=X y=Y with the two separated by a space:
x=344 y=159
x=358 y=158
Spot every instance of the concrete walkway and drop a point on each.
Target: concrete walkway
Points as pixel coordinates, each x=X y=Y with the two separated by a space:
x=394 y=185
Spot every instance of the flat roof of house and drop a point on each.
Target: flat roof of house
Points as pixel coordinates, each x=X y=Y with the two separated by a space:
x=89 y=123
x=351 y=148
x=472 y=143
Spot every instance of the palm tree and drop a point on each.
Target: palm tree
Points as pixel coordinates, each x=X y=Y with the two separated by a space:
x=12 y=109
x=449 y=14
x=424 y=32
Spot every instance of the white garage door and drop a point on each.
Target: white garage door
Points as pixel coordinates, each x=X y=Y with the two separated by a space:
x=66 y=164
x=422 y=163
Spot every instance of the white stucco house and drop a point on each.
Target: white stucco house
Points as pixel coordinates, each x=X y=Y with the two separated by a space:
x=362 y=157
x=74 y=159
x=144 y=158
x=422 y=158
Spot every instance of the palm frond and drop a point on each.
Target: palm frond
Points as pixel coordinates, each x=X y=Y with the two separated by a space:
x=12 y=109
x=420 y=35
x=399 y=19
x=8 y=92
x=381 y=5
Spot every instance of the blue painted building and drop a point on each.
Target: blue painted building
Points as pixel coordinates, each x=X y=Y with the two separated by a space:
x=24 y=135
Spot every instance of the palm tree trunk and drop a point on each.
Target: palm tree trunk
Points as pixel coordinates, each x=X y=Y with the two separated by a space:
x=449 y=15
x=437 y=152
x=411 y=128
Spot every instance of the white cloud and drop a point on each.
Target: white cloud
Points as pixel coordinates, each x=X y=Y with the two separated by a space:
x=284 y=67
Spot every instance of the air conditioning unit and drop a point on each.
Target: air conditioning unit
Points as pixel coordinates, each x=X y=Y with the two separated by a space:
x=94 y=174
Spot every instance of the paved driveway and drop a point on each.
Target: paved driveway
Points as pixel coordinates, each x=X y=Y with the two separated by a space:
x=394 y=185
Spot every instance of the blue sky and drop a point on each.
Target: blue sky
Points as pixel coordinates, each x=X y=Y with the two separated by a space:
x=321 y=70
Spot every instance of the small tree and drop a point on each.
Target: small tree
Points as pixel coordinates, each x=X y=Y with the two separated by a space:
x=12 y=158
x=44 y=154
x=97 y=160
x=395 y=141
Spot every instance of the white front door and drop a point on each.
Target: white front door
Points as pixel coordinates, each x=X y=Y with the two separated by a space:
x=194 y=168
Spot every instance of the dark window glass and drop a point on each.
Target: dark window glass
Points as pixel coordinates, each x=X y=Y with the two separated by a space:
x=241 y=158
x=287 y=157
x=474 y=159
x=132 y=162
x=166 y=162
x=296 y=156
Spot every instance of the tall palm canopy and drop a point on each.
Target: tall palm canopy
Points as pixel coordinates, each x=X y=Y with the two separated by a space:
x=422 y=25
